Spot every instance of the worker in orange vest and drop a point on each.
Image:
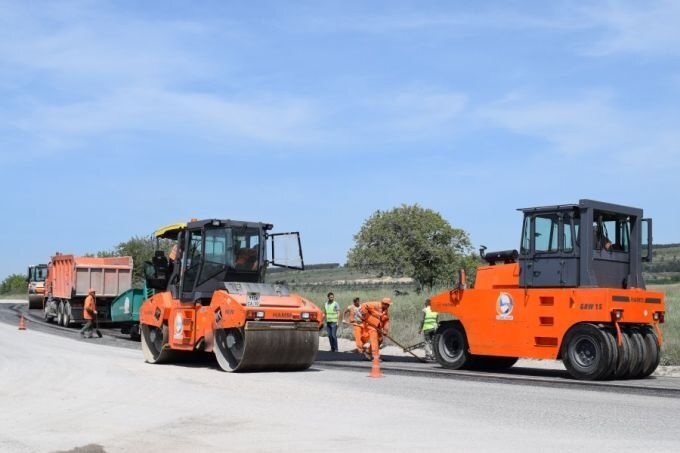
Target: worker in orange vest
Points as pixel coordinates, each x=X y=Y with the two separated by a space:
x=354 y=311
x=375 y=321
x=89 y=313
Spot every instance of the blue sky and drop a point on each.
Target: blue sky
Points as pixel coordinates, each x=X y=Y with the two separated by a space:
x=120 y=117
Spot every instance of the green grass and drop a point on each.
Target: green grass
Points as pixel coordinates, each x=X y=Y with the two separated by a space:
x=318 y=276
x=671 y=327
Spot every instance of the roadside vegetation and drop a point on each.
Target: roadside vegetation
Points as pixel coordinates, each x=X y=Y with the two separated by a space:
x=665 y=265
x=13 y=286
x=671 y=327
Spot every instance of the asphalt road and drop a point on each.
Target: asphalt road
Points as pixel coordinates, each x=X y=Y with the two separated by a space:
x=59 y=393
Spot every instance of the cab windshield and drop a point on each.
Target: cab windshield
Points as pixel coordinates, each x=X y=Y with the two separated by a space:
x=230 y=248
x=611 y=232
x=38 y=274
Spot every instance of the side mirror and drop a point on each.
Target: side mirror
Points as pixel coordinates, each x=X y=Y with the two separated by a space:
x=646 y=245
x=461 y=279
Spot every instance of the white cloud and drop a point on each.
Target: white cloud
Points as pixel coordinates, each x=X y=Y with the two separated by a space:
x=413 y=113
x=143 y=110
x=419 y=20
x=591 y=126
x=650 y=27
x=68 y=45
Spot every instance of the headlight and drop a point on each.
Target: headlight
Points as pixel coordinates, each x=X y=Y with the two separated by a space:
x=305 y=316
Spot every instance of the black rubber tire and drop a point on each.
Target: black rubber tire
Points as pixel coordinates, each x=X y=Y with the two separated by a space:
x=653 y=357
x=491 y=363
x=450 y=346
x=634 y=357
x=586 y=352
x=135 y=332
x=623 y=362
x=60 y=313
x=608 y=331
x=66 y=319
x=637 y=343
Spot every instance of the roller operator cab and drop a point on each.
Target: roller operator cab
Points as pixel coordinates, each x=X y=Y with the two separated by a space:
x=35 y=278
x=210 y=295
x=574 y=291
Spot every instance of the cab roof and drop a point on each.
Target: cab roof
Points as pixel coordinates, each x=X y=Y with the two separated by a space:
x=172 y=231
x=588 y=204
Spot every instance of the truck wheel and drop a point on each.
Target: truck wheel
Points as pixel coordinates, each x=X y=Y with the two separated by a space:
x=638 y=344
x=60 y=313
x=451 y=347
x=135 y=332
x=613 y=352
x=653 y=352
x=67 y=314
x=586 y=352
x=624 y=359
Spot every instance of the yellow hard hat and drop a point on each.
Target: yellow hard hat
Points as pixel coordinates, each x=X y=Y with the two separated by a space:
x=387 y=300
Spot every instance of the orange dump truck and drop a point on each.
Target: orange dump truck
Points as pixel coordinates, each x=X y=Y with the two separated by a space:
x=574 y=291
x=211 y=296
x=69 y=277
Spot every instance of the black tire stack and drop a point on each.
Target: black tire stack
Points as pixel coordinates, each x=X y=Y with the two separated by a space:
x=589 y=351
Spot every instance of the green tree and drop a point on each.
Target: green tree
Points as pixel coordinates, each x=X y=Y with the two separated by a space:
x=14 y=284
x=141 y=249
x=412 y=241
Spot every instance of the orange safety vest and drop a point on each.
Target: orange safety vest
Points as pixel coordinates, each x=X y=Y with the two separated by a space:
x=373 y=316
x=89 y=305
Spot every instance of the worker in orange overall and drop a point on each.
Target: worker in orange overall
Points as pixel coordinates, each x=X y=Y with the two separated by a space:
x=89 y=313
x=375 y=320
x=354 y=311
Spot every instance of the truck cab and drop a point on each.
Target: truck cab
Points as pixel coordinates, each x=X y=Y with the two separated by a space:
x=208 y=253
x=589 y=244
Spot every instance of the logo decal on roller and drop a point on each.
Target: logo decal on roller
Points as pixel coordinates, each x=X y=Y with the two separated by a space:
x=179 y=325
x=504 y=306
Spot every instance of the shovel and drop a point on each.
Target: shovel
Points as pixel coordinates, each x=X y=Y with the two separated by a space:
x=96 y=324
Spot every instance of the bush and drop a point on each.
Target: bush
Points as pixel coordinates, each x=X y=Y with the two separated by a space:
x=14 y=284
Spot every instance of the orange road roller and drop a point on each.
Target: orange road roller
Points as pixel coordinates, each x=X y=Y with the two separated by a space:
x=574 y=291
x=210 y=295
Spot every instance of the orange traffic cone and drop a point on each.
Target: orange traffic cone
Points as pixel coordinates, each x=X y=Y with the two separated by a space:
x=22 y=323
x=375 y=369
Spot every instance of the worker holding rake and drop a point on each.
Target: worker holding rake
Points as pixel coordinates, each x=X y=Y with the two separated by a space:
x=375 y=321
